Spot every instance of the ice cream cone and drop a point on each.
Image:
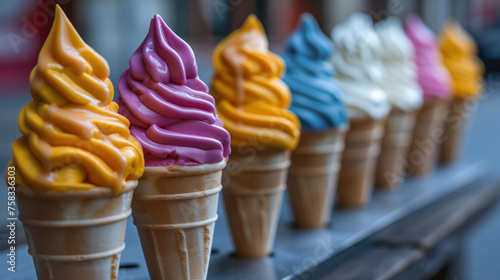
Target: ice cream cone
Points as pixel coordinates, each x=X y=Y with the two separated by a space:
x=362 y=147
x=312 y=178
x=394 y=148
x=77 y=235
x=175 y=209
x=424 y=147
x=460 y=57
x=254 y=181
x=458 y=112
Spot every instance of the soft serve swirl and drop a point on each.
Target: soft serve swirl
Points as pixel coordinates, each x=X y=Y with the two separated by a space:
x=251 y=99
x=459 y=56
x=316 y=97
x=73 y=137
x=433 y=77
x=400 y=79
x=171 y=112
x=359 y=69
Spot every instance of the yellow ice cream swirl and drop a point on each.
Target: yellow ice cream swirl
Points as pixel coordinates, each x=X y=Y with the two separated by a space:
x=251 y=99
x=73 y=137
x=459 y=55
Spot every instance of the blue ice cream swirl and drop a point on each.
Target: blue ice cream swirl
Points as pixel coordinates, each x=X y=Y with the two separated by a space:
x=316 y=97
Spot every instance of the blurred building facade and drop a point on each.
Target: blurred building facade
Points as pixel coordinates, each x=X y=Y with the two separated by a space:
x=116 y=27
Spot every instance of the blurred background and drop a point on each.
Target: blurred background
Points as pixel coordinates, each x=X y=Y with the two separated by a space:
x=115 y=28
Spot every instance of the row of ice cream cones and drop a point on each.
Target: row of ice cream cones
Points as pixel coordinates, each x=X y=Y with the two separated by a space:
x=81 y=171
x=175 y=212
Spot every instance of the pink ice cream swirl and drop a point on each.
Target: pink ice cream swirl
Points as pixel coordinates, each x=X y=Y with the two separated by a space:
x=169 y=108
x=433 y=76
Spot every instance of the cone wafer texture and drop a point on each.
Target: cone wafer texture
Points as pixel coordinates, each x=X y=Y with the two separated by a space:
x=175 y=209
x=459 y=111
x=76 y=234
x=254 y=182
x=312 y=178
x=395 y=144
x=424 y=148
x=362 y=148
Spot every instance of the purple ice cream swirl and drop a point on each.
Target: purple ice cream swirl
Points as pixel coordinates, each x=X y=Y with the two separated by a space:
x=169 y=108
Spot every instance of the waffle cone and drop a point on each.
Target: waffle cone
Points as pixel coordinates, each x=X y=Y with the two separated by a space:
x=254 y=181
x=175 y=209
x=362 y=147
x=312 y=178
x=77 y=235
x=458 y=112
x=427 y=134
x=394 y=148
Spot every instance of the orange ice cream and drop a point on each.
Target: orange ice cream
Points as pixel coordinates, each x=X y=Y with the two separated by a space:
x=459 y=55
x=251 y=99
x=73 y=137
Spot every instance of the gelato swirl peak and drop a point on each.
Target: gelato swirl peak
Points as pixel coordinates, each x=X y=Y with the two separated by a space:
x=244 y=52
x=73 y=137
x=433 y=77
x=251 y=99
x=68 y=70
x=400 y=79
x=459 y=55
x=360 y=72
x=163 y=56
x=309 y=41
x=317 y=99
x=171 y=113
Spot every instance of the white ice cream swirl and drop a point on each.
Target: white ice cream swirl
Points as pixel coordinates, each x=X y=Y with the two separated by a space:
x=400 y=79
x=359 y=69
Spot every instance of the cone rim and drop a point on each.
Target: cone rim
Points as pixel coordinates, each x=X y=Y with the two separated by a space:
x=173 y=226
x=342 y=128
x=97 y=192
x=181 y=170
x=79 y=257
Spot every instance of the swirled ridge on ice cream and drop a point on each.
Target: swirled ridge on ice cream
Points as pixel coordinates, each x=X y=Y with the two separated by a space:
x=359 y=69
x=171 y=113
x=251 y=99
x=433 y=77
x=317 y=99
x=459 y=55
x=400 y=79
x=73 y=137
